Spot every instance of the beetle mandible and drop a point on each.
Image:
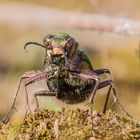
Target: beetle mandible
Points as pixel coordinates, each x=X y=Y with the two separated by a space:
x=69 y=74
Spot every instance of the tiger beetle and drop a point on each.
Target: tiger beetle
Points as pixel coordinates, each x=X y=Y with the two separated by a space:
x=69 y=74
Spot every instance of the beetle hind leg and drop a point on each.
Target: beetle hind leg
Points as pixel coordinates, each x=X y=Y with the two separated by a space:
x=116 y=101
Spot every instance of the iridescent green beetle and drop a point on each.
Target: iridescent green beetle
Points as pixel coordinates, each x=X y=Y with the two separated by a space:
x=68 y=73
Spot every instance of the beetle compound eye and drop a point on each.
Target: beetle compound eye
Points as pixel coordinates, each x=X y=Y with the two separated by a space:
x=46 y=42
x=47 y=39
x=71 y=46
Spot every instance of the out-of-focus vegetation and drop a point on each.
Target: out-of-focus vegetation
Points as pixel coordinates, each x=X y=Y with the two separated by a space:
x=129 y=8
x=71 y=124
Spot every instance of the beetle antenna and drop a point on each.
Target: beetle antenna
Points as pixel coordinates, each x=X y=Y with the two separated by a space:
x=34 y=43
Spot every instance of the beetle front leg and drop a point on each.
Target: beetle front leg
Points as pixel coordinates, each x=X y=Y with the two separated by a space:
x=24 y=76
x=91 y=76
x=103 y=71
x=14 y=100
x=91 y=100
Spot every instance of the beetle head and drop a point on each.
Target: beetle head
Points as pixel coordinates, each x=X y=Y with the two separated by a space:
x=60 y=46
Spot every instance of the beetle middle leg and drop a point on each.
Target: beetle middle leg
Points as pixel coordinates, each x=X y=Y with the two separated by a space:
x=42 y=93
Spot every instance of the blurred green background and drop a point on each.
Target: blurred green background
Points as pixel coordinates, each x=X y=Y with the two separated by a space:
x=22 y=21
